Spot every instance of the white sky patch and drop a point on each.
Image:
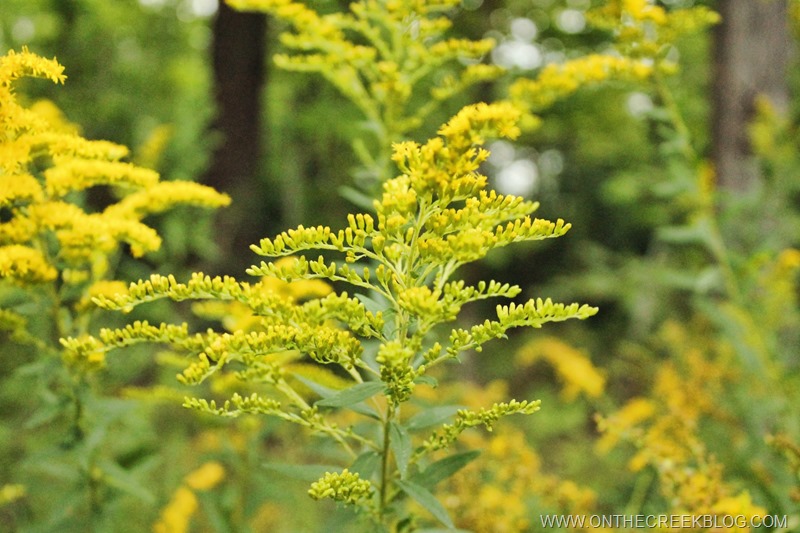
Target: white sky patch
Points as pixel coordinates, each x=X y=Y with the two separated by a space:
x=551 y=162
x=203 y=8
x=501 y=153
x=571 y=21
x=23 y=29
x=524 y=29
x=639 y=104
x=518 y=54
x=519 y=178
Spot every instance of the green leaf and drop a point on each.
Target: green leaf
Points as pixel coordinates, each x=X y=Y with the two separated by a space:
x=431 y=417
x=322 y=390
x=214 y=513
x=353 y=395
x=372 y=305
x=357 y=198
x=444 y=468
x=400 y=443
x=696 y=233
x=46 y=414
x=427 y=500
x=366 y=464
x=427 y=380
x=301 y=472
x=328 y=393
x=119 y=478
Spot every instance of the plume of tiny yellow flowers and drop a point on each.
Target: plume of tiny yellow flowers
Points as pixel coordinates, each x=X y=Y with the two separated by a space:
x=381 y=55
x=645 y=29
x=777 y=283
x=10 y=493
x=557 y=81
x=643 y=33
x=664 y=426
x=495 y=491
x=177 y=515
x=46 y=237
x=572 y=366
x=435 y=216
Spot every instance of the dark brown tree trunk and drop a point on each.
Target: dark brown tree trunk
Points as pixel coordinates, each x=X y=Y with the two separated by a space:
x=239 y=66
x=751 y=56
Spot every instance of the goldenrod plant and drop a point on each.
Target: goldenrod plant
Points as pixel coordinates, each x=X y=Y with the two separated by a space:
x=731 y=361
x=386 y=58
x=665 y=428
x=387 y=339
x=643 y=35
x=328 y=374
x=56 y=253
x=176 y=516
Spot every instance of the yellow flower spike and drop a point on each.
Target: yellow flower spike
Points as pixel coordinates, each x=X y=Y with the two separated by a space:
x=15 y=65
x=78 y=242
x=11 y=492
x=381 y=56
x=621 y=424
x=25 y=265
x=176 y=516
x=208 y=476
x=19 y=188
x=789 y=260
x=572 y=366
x=557 y=81
x=79 y=174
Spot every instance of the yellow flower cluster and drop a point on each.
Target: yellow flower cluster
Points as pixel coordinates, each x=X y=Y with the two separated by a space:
x=43 y=163
x=559 y=80
x=644 y=29
x=493 y=493
x=345 y=486
x=437 y=215
x=380 y=55
x=572 y=366
x=177 y=515
x=664 y=429
x=643 y=32
x=10 y=493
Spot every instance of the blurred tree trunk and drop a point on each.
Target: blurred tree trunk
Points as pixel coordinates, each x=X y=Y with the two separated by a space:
x=239 y=66
x=751 y=56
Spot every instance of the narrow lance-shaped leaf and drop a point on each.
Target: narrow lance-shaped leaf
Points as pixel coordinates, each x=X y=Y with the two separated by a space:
x=444 y=468
x=353 y=395
x=427 y=500
x=401 y=446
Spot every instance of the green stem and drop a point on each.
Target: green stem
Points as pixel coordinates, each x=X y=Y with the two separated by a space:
x=675 y=116
x=385 y=466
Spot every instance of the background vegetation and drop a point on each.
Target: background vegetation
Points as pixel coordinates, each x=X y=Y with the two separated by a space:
x=679 y=396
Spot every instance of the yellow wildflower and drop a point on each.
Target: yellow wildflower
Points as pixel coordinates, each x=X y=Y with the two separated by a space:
x=619 y=425
x=25 y=264
x=11 y=492
x=789 y=259
x=559 y=80
x=33 y=196
x=175 y=517
x=208 y=476
x=16 y=65
x=572 y=366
